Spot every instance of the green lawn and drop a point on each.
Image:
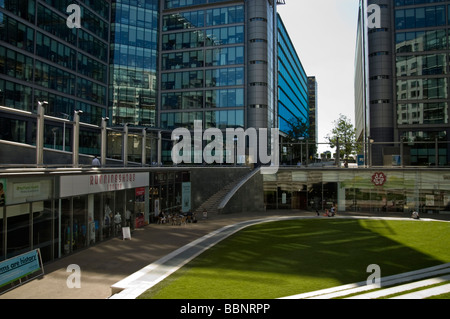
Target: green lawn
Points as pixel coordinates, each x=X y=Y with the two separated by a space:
x=278 y=259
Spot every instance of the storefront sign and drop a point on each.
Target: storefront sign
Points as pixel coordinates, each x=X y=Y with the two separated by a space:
x=378 y=179
x=26 y=189
x=18 y=267
x=140 y=191
x=99 y=183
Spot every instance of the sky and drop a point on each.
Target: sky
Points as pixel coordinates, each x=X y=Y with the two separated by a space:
x=324 y=35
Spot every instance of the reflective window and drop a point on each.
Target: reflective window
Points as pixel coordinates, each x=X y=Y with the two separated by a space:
x=15 y=64
x=410 y=2
x=422 y=113
x=225 y=35
x=421 y=41
x=182 y=40
x=182 y=100
x=182 y=60
x=225 y=56
x=225 y=98
x=224 y=119
x=12 y=130
x=420 y=17
x=91 y=91
x=182 y=80
x=224 y=77
x=55 y=51
x=180 y=119
x=430 y=64
x=16 y=33
x=22 y=8
x=415 y=89
x=183 y=20
x=226 y=15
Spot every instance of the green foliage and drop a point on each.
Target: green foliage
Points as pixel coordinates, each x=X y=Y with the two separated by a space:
x=344 y=133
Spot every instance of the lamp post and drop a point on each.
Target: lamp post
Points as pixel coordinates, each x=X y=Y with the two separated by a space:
x=103 y=141
x=76 y=137
x=125 y=145
x=371 y=141
x=40 y=133
x=159 y=157
x=144 y=147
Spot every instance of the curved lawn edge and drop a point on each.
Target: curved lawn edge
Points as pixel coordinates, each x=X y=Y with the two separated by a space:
x=139 y=282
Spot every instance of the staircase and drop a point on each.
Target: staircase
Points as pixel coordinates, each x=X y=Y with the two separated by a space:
x=212 y=204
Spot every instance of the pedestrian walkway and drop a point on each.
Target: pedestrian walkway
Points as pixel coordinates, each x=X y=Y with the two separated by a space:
x=129 y=266
x=357 y=290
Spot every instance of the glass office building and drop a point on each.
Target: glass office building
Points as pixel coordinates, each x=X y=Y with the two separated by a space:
x=133 y=65
x=42 y=59
x=293 y=100
x=219 y=64
x=202 y=66
x=406 y=72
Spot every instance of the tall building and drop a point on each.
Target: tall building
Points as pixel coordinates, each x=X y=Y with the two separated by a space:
x=293 y=100
x=150 y=64
x=313 y=87
x=134 y=60
x=42 y=59
x=401 y=82
x=219 y=63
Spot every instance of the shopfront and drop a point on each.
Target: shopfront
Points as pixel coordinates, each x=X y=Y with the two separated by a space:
x=62 y=212
x=27 y=216
x=351 y=190
x=94 y=207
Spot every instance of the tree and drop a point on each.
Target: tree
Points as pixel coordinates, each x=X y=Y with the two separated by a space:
x=344 y=132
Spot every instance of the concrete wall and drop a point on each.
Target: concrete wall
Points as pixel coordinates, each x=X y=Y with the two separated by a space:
x=249 y=198
x=207 y=182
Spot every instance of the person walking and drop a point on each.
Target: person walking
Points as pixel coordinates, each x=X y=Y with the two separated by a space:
x=96 y=162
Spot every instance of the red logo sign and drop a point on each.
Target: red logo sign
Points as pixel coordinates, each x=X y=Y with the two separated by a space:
x=379 y=179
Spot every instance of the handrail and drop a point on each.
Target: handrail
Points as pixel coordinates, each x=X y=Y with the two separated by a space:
x=231 y=193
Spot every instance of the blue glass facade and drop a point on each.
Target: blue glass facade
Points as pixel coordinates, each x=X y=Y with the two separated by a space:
x=202 y=65
x=293 y=105
x=134 y=58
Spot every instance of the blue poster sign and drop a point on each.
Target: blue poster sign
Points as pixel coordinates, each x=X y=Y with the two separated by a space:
x=360 y=160
x=18 y=267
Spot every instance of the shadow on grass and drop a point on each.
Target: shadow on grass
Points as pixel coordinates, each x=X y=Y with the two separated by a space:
x=283 y=258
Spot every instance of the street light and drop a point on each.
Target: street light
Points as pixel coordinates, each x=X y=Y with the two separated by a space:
x=76 y=137
x=125 y=145
x=104 y=141
x=40 y=133
x=371 y=141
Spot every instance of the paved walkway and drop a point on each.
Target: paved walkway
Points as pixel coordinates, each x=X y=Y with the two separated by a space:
x=126 y=263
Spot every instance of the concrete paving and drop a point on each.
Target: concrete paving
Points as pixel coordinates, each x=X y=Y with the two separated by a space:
x=110 y=262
